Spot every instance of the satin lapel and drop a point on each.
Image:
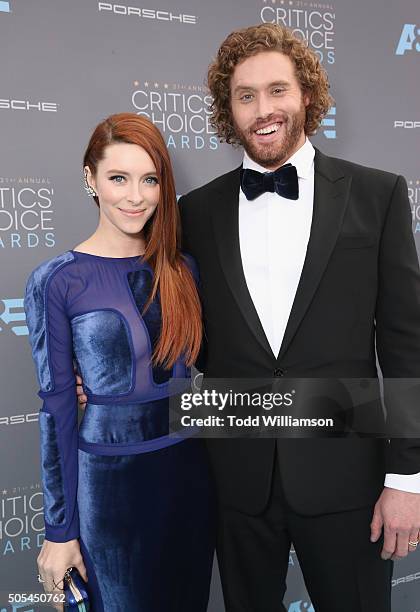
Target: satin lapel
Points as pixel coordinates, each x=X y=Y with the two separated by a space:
x=225 y=216
x=331 y=194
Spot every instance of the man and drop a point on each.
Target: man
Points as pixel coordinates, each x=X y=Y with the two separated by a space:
x=303 y=288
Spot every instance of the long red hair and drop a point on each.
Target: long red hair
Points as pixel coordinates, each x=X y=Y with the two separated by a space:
x=181 y=328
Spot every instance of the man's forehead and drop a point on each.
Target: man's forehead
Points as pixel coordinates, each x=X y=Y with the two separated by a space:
x=274 y=63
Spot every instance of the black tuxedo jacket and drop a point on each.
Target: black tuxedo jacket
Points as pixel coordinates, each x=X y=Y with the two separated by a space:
x=360 y=286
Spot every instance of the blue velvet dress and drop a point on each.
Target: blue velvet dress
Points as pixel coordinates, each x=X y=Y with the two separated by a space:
x=140 y=502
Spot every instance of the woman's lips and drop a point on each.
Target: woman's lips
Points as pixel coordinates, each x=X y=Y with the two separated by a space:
x=132 y=213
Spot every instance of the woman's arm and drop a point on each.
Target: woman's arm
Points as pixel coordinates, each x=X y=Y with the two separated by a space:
x=51 y=341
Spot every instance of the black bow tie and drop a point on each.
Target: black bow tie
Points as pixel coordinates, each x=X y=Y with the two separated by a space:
x=283 y=181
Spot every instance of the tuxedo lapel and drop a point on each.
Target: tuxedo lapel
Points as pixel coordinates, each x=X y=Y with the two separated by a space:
x=331 y=193
x=225 y=216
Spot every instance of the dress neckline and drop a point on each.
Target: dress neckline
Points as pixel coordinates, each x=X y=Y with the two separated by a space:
x=132 y=257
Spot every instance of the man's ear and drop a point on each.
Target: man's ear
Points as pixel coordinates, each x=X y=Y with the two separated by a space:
x=306 y=99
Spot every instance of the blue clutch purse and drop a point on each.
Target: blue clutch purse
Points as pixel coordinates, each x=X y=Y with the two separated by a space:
x=75 y=593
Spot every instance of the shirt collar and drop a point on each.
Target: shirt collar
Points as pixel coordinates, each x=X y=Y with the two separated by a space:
x=303 y=159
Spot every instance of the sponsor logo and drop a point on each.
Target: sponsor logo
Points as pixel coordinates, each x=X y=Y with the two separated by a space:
x=26 y=212
x=19 y=419
x=328 y=124
x=21 y=519
x=407 y=124
x=5 y=7
x=414 y=196
x=181 y=112
x=144 y=13
x=13 y=312
x=409 y=39
x=311 y=21
x=28 y=105
x=406 y=579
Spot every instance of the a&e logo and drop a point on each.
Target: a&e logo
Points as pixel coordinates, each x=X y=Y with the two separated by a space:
x=13 y=312
x=301 y=606
x=407 y=40
x=328 y=124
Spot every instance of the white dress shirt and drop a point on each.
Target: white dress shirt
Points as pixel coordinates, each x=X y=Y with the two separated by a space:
x=273 y=236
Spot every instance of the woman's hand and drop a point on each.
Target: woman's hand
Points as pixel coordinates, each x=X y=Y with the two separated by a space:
x=81 y=397
x=53 y=561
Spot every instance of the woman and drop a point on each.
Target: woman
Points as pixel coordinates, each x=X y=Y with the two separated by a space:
x=128 y=506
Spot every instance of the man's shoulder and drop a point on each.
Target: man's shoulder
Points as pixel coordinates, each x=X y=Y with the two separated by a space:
x=220 y=183
x=328 y=164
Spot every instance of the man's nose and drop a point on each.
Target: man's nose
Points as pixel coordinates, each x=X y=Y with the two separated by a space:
x=265 y=107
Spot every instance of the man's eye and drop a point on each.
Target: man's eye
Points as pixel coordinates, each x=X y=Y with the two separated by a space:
x=246 y=97
x=278 y=90
x=117 y=178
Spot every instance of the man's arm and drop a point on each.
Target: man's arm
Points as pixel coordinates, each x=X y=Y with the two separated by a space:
x=398 y=346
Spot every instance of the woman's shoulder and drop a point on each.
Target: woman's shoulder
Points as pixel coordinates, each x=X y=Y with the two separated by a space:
x=45 y=271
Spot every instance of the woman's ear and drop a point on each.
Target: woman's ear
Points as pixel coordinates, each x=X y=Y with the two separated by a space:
x=89 y=178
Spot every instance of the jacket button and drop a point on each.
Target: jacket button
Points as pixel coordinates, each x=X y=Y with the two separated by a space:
x=278 y=372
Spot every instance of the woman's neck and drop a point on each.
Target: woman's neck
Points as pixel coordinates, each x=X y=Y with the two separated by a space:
x=106 y=244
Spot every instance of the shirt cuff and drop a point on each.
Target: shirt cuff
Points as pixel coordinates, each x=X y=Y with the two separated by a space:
x=403 y=482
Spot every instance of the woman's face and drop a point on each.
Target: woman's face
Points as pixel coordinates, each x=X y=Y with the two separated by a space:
x=127 y=186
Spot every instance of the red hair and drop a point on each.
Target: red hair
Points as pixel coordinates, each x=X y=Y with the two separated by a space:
x=181 y=328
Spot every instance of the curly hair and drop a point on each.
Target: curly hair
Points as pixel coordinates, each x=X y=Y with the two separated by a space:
x=244 y=43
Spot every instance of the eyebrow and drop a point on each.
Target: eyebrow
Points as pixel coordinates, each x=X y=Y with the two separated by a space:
x=124 y=172
x=251 y=88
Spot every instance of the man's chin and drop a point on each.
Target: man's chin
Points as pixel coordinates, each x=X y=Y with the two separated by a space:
x=266 y=158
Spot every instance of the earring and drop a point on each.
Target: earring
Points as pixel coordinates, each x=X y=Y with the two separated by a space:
x=89 y=190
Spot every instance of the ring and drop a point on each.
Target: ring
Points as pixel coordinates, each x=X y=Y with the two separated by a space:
x=414 y=544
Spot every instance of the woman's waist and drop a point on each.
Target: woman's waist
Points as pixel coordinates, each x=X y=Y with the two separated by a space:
x=127 y=426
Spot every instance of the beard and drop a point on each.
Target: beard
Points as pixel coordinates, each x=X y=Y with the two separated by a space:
x=273 y=155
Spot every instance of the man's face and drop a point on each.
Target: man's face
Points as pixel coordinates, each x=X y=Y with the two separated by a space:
x=268 y=108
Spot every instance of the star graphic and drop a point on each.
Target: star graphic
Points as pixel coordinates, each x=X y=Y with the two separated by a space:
x=136 y=83
x=166 y=85
x=4 y=492
x=146 y=84
x=156 y=85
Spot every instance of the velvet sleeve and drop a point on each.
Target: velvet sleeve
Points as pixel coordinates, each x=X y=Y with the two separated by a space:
x=51 y=342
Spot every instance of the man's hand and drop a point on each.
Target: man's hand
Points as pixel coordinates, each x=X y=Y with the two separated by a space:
x=81 y=397
x=398 y=512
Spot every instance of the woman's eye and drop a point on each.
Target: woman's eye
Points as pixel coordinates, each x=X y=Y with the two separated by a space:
x=117 y=178
x=152 y=180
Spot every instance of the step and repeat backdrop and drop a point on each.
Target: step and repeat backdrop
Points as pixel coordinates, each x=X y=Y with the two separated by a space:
x=67 y=65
